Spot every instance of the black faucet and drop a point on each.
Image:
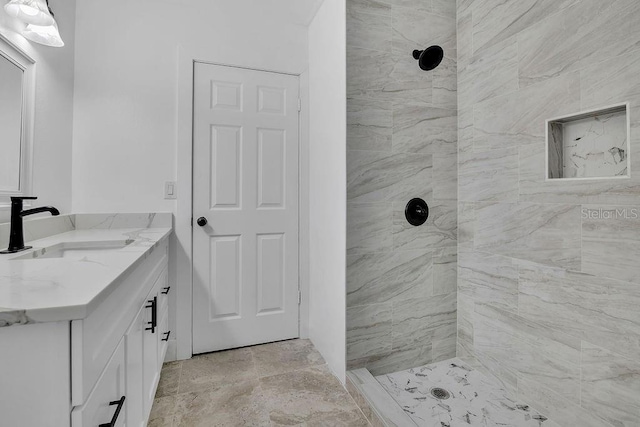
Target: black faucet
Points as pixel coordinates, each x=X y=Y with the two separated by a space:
x=16 y=235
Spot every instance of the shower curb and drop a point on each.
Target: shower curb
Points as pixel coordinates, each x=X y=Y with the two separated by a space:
x=374 y=401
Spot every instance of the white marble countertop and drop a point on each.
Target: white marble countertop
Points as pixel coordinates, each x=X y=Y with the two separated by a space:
x=60 y=289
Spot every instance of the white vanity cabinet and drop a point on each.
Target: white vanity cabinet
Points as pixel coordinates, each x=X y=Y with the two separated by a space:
x=145 y=353
x=101 y=370
x=132 y=315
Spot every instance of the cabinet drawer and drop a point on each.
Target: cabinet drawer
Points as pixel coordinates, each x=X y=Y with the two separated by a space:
x=93 y=339
x=107 y=400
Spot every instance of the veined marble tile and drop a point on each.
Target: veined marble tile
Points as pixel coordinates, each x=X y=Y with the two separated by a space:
x=466 y=225
x=381 y=7
x=559 y=409
x=407 y=82
x=444 y=181
x=439 y=231
x=591 y=308
x=369 y=30
x=369 y=124
x=445 y=272
x=465 y=129
x=387 y=277
x=611 y=82
x=611 y=241
x=463 y=5
x=445 y=82
x=474 y=363
x=495 y=20
x=444 y=8
x=443 y=349
x=474 y=399
x=488 y=278
x=419 y=128
x=533 y=187
x=421 y=5
x=398 y=359
x=589 y=31
x=369 y=330
x=465 y=309
x=518 y=118
x=611 y=386
x=414 y=29
x=374 y=176
x=496 y=368
x=367 y=72
x=369 y=227
x=423 y=320
x=489 y=175
x=492 y=72
x=548 y=234
x=529 y=350
x=464 y=34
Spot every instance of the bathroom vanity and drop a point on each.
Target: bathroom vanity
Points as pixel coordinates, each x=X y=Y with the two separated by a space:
x=84 y=323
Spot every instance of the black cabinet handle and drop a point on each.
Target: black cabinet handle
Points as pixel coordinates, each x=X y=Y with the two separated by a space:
x=202 y=221
x=166 y=290
x=166 y=338
x=153 y=305
x=120 y=403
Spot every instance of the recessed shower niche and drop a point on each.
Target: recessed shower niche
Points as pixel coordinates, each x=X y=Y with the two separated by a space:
x=591 y=144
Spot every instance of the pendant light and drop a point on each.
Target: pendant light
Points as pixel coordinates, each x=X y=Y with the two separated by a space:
x=46 y=35
x=34 y=12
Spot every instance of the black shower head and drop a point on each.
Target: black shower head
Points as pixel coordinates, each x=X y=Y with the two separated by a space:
x=429 y=58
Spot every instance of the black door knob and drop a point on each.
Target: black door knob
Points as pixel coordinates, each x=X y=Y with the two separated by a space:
x=202 y=221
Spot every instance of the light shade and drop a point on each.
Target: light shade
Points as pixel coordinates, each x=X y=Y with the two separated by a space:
x=34 y=12
x=46 y=35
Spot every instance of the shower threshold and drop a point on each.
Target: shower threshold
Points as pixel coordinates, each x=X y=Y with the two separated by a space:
x=443 y=394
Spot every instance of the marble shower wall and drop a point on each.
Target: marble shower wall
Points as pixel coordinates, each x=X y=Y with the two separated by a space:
x=548 y=272
x=402 y=143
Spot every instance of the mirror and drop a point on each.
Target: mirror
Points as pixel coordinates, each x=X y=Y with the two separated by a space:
x=10 y=125
x=16 y=119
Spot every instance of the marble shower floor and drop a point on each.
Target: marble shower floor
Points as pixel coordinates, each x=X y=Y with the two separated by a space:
x=474 y=400
x=279 y=384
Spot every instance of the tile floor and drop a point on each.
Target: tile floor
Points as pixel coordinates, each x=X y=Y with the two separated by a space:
x=473 y=399
x=279 y=384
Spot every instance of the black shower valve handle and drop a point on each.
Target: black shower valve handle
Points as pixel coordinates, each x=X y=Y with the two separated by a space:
x=416 y=212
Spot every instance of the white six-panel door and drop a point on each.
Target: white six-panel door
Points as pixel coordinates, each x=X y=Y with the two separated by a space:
x=245 y=184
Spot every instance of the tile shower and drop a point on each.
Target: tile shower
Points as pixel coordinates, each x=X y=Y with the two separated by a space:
x=534 y=282
x=402 y=143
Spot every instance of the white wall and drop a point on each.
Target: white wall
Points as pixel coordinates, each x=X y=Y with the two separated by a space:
x=327 y=183
x=128 y=93
x=126 y=78
x=52 y=143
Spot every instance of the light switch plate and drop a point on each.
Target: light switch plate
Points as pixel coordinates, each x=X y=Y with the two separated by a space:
x=170 y=190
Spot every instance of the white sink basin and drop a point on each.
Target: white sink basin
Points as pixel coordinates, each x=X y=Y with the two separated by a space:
x=74 y=250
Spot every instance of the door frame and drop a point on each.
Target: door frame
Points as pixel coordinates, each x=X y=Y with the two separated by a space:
x=183 y=242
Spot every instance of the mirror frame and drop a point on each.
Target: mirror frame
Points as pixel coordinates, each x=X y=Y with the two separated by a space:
x=22 y=60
